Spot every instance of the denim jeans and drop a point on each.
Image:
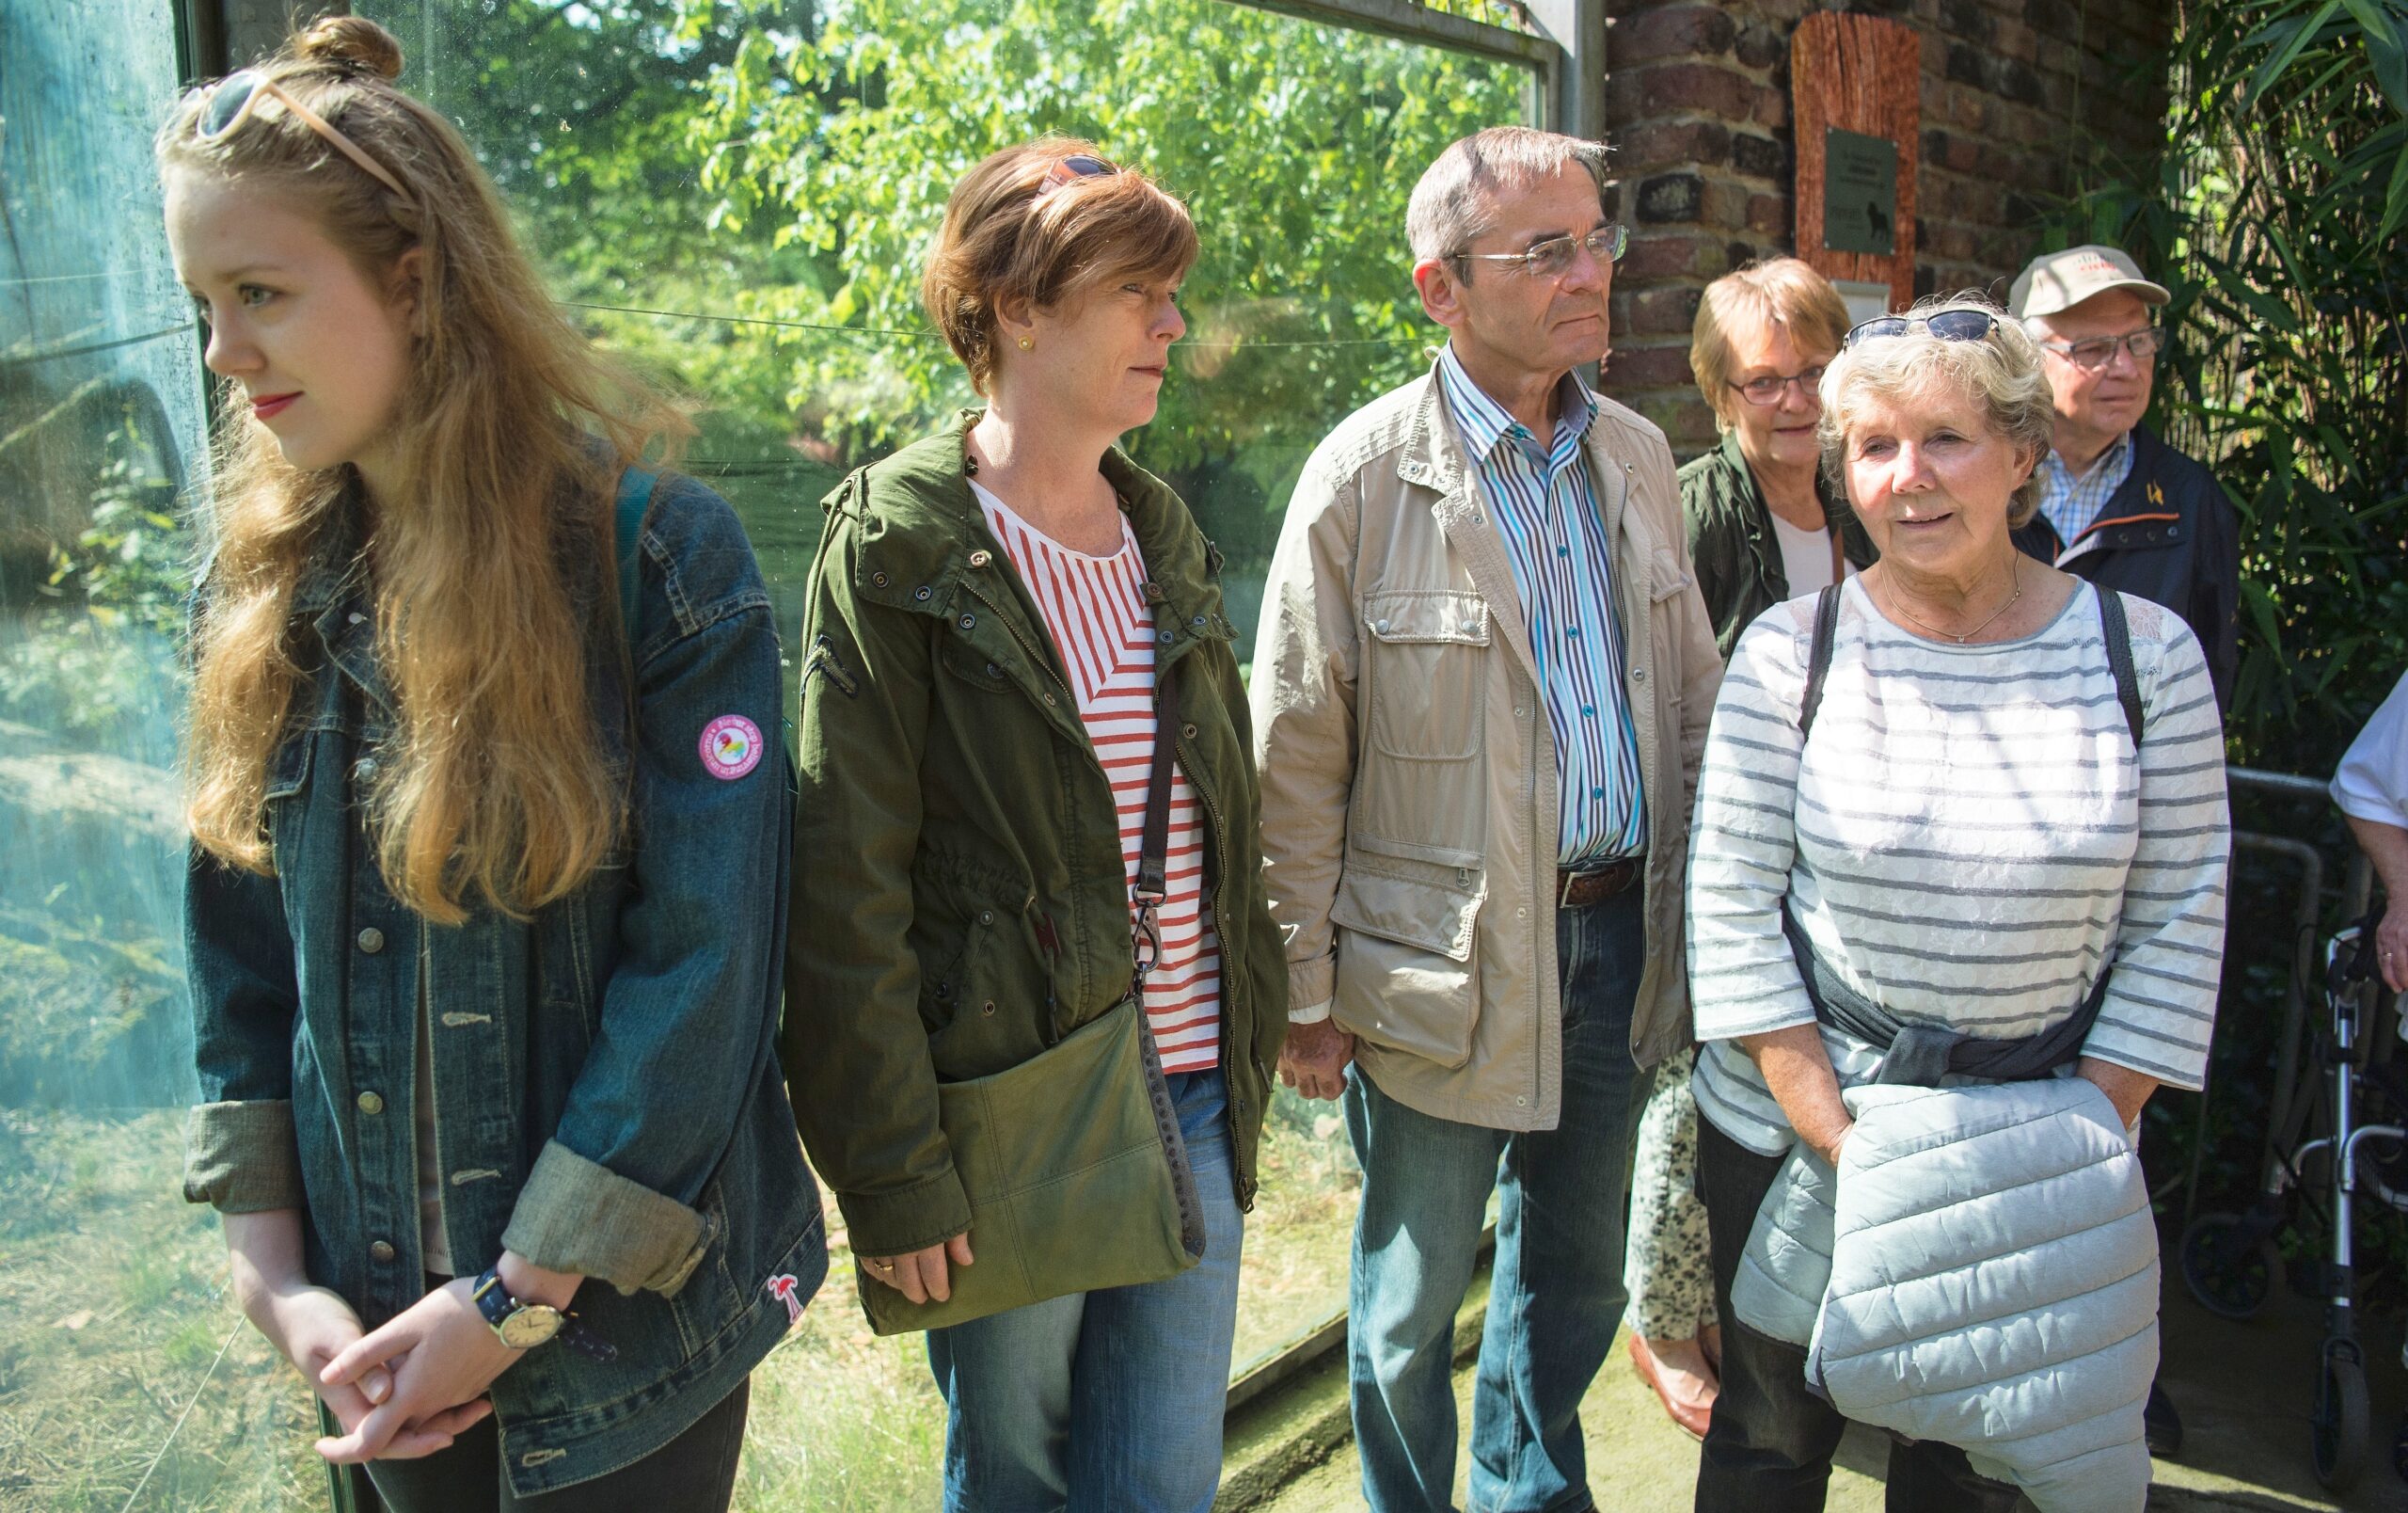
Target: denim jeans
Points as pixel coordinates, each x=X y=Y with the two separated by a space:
x=1104 y=1402
x=1770 y=1445
x=1556 y=1291
x=694 y=1471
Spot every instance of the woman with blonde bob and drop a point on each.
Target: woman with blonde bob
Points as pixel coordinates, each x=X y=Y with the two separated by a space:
x=1958 y=795
x=1000 y=620
x=488 y=866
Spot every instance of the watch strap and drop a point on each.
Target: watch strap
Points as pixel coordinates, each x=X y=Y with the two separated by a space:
x=494 y=1303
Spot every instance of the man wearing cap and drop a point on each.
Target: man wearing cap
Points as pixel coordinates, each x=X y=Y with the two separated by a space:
x=2117 y=505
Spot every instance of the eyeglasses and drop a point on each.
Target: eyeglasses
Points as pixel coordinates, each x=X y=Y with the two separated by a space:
x=1552 y=257
x=235 y=99
x=1768 y=389
x=2097 y=352
x=1948 y=325
x=1070 y=170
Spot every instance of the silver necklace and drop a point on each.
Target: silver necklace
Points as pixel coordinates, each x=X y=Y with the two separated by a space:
x=2015 y=565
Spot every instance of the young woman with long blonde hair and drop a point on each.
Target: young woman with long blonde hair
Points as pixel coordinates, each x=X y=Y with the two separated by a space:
x=488 y=878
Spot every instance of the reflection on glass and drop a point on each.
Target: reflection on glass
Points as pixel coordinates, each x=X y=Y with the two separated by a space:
x=128 y=1379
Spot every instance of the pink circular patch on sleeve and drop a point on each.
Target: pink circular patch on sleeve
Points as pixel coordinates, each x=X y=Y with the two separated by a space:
x=731 y=747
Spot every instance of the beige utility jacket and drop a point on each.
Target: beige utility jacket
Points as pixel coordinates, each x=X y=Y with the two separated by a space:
x=1409 y=824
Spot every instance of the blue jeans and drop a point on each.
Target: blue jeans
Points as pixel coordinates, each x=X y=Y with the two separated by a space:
x=1104 y=1402
x=1556 y=1291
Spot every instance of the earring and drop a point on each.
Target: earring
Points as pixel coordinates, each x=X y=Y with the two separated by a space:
x=1027 y=343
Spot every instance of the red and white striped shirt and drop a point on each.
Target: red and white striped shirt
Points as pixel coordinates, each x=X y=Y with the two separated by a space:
x=1095 y=608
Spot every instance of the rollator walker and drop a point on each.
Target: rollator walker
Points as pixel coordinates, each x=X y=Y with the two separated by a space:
x=2360 y=1147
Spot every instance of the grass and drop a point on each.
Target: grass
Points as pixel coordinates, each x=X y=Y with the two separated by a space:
x=116 y=1325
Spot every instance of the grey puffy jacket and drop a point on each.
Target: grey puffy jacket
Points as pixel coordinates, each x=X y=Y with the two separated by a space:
x=1981 y=1271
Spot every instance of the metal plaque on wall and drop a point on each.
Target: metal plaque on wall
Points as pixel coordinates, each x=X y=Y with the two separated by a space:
x=1860 y=193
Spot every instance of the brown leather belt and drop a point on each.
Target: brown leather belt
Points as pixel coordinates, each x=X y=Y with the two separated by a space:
x=1578 y=890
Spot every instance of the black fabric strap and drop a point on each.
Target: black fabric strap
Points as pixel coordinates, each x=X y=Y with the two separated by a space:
x=1818 y=659
x=2119 y=658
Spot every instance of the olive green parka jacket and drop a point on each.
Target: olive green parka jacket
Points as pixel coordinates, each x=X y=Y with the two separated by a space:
x=960 y=899
x=1732 y=543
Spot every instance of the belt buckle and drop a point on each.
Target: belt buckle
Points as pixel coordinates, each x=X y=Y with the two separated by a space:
x=1565 y=883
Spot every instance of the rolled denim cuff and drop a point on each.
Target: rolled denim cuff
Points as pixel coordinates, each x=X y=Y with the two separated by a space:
x=1312 y=981
x=241 y=1158
x=897 y=1223
x=579 y=1215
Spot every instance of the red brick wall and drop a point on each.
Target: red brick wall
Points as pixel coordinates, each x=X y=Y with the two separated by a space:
x=2017 y=95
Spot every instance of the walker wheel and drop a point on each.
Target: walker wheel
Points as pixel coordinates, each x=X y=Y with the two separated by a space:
x=2342 y=1425
x=2229 y=1264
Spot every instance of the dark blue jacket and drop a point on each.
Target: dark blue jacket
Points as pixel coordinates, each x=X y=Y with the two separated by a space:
x=2170 y=535
x=606 y=1097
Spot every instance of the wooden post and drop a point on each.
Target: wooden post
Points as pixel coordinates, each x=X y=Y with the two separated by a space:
x=1861 y=76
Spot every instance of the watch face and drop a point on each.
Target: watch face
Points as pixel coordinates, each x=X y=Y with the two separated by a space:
x=530 y=1325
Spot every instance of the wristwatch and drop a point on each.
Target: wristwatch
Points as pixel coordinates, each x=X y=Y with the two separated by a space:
x=525 y=1326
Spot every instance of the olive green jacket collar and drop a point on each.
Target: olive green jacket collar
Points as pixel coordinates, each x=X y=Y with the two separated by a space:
x=1739 y=563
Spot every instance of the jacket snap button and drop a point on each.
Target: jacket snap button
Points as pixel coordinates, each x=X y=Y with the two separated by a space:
x=1521 y=1102
x=980 y=558
x=993 y=671
x=921 y=593
x=1478 y=519
x=1187 y=730
x=364 y=769
x=1380 y=626
x=1163 y=638
x=1197 y=622
x=986 y=917
x=1049 y=701
x=987 y=1007
x=382 y=1250
x=967 y=621
x=1639 y=674
x=371 y=1104
x=371 y=939
x=880 y=579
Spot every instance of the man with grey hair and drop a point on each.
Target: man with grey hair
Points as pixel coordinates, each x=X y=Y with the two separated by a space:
x=1481 y=690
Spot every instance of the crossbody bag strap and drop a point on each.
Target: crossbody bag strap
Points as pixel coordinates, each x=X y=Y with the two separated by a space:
x=1153 y=846
x=1818 y=659
x=2120 y=660
x=634 y=504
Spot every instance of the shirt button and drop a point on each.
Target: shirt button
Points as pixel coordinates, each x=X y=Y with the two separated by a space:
x=371 y=939
x=371 y=1104
x=382 y=1250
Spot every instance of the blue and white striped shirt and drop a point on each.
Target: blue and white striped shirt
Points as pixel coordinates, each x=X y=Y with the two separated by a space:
x=2072 y=504
x=1546 y=509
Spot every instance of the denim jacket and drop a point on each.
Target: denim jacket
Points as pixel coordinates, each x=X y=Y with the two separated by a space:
x=607 y=1101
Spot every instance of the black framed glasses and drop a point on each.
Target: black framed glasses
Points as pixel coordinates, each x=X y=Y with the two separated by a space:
x=1552 y=257
x=235 y=99
x=2099 y=351
x=1770 y=388
x=1947 y=325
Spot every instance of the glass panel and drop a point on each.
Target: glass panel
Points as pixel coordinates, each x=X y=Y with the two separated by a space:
x=128 y=1379
x=773 y=173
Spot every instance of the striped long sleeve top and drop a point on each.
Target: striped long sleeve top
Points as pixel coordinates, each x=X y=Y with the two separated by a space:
x=1968 y=839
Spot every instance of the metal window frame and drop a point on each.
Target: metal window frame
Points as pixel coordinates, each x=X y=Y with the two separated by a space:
x=1565 y=54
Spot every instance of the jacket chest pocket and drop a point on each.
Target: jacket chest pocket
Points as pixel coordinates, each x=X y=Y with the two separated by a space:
x=1427 y=661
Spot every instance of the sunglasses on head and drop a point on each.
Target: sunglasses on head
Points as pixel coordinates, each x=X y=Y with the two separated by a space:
x=1947 y=325
x=235 y=99
x=1070 y=170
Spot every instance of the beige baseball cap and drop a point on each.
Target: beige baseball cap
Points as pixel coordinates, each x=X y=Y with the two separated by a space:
x=2059 y=281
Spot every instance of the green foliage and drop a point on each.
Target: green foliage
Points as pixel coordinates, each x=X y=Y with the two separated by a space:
x=1294 y=146
x=2279 y=222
